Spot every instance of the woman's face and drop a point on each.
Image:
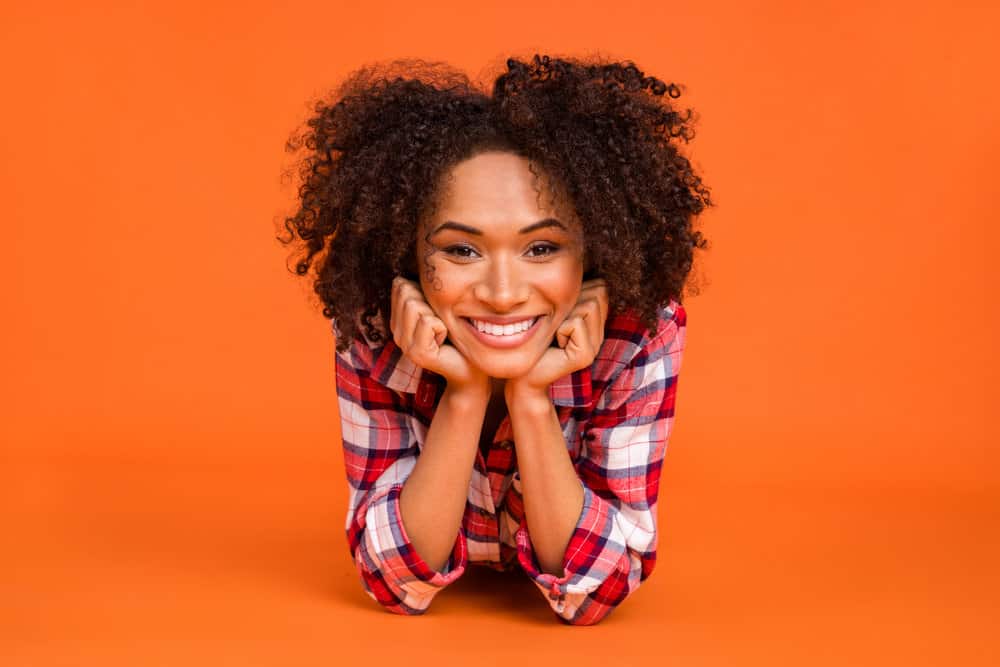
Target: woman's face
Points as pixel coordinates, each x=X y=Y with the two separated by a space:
x=497 y=258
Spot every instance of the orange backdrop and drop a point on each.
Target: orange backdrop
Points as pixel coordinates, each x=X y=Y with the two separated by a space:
x=172 y=489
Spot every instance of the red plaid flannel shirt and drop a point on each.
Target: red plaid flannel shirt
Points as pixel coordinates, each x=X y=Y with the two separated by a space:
x=616 y=416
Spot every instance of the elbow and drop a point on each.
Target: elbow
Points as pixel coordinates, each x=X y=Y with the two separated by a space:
x=396 y=599
x=590 y=609
x=585 y=619
x=587 y=611
x=593 y=607
x=404 y=596
x=400 y=608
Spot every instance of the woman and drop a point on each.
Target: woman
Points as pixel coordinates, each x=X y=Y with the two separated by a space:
x=504 y=275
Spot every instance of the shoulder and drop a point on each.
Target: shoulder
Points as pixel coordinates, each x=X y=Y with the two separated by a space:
x=628 y=343
x=363 y=353
x=380 y=361
x=357 y=360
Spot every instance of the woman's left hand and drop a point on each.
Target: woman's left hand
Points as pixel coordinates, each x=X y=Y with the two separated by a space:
x=579 y=338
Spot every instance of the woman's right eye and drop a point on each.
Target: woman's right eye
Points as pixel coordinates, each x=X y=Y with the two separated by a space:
x=462 y=251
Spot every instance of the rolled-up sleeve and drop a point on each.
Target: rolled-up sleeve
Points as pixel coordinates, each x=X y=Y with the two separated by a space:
x=379 y=454
x=612 y=550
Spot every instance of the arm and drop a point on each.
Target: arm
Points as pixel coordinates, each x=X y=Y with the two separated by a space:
x=381 y=458
x=433 y=499
x=551 y=491
x=611 y=547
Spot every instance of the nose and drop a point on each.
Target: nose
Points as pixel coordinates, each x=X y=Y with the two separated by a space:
x=502 y=287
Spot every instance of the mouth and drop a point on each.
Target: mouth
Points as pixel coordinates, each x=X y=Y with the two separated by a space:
x=501 y=340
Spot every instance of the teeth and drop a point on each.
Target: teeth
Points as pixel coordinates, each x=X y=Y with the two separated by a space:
x=503 y=330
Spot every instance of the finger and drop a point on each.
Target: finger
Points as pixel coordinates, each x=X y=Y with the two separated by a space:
x=396 y=302
x=413 y=309
x=592 y=313
x=438 y=328
x=598 y=291
x=563 y=333
x=581 y=339
x=568 y=331
x=602 y=299
x=404 y=321
x=566 y=325
x=427 y=336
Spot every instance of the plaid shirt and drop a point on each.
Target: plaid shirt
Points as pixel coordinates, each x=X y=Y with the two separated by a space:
x=616 y=416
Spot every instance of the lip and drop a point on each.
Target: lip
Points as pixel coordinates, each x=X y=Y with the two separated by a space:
x=509 y=319
x=503 y=342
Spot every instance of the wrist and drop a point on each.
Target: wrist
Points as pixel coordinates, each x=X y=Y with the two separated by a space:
x=527 y=399
x=468 y=398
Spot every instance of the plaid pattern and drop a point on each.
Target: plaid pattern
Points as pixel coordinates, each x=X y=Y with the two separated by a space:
x=616 y=416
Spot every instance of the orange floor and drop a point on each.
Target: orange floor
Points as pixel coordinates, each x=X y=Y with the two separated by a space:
x=157 y=561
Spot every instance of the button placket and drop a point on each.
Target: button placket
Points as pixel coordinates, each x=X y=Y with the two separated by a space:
x=426 y=395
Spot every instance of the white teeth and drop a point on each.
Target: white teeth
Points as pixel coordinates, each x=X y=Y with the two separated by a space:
x=503 y=329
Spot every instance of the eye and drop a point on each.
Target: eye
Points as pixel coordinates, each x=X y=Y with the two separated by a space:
x=542 y=249
x=463 y=251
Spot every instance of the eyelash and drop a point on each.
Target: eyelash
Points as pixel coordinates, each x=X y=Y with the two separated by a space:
x=450 y=250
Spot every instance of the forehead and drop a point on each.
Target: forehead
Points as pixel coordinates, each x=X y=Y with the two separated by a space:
x=498 y=192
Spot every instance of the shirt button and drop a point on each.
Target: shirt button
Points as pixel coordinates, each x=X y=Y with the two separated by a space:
x=505 y=444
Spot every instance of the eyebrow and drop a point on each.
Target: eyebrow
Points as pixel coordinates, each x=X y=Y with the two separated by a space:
x=458 y=226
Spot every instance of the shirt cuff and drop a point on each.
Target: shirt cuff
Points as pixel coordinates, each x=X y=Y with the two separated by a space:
x=390 y=553
x=587 y=553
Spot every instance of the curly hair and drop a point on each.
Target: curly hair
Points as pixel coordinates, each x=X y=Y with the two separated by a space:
x=604 y=133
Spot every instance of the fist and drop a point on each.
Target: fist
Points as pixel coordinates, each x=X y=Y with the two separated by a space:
x=421 y=336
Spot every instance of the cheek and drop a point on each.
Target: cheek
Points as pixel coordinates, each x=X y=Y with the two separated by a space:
x=442 y=288
x=563 y=285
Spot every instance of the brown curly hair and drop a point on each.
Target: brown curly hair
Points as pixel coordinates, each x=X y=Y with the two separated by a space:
x=376 y=150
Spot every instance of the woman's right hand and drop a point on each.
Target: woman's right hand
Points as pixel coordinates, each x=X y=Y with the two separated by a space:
x=420 y=334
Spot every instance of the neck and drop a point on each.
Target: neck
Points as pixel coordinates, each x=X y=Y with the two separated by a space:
x=497 y=385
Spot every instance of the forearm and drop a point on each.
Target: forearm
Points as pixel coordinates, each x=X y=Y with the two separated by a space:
x=551 y=489
x=432 y=501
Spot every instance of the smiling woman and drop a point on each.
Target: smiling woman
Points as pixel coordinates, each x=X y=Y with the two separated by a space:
x=505 y=271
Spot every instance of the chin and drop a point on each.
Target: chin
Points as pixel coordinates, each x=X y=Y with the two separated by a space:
x=507 y=371
x=505 y=375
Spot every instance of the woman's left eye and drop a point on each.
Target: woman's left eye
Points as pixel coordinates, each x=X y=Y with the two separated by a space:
x=544 y=248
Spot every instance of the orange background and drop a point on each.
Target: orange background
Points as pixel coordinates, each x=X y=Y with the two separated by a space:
x=172 y=489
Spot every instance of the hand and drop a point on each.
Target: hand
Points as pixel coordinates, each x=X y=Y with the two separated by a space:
x=420 y=334
x=579 y=338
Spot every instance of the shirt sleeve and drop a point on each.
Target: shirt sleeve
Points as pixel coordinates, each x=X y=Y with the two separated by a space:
x=380 y=452
x=612 y=550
